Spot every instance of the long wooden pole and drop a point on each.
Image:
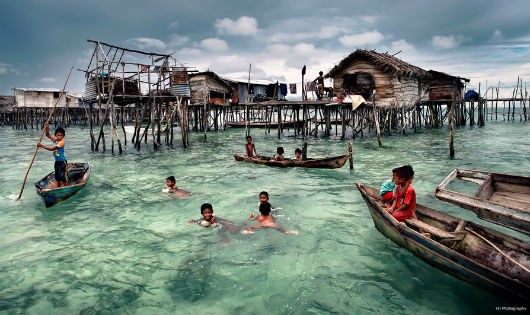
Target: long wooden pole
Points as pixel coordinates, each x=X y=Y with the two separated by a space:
x=42 y=133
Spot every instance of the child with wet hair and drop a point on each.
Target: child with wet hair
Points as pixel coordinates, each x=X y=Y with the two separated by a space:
x=265 y=220
x=209 y=220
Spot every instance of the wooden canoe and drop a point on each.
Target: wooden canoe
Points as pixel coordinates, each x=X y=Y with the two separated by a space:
x=481 y=256
x=78 y=175
x=503 y=199
x=327 y=162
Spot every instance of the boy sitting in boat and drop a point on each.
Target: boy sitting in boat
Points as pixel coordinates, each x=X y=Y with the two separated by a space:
x=251 y=149
x=173 y=188
x=404 y=195
x=61 y=164
x=298 y=155
x=279 y=154
x=265 y=220
x=387 y=189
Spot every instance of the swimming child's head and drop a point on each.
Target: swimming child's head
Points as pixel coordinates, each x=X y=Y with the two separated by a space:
x=263 y=196
x=297 y=151
x=207 y=211
x=170 y=181
x=60 y=132
x=279 y=150
x=249 y=139
x=265 y=208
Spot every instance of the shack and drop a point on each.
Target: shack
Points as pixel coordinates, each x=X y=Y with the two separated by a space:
x=208 y=88
x=394 y=82
x=256 y=91
x=444 y=87
x=38 y=98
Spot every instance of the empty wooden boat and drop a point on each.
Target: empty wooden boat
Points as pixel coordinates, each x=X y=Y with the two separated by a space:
x=503 y=199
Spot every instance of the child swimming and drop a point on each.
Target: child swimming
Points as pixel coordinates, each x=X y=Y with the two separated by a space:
x=265 y=220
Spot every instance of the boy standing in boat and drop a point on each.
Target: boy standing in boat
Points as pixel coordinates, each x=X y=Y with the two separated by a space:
x=251 y=149
x=404 y=195
x=61 y=164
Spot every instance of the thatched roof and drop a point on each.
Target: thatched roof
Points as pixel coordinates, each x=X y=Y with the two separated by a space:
x=214 y=76
x=384 y=62
x=444 y=76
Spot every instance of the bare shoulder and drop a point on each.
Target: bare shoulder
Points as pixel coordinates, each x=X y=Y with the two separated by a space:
x=179 y=193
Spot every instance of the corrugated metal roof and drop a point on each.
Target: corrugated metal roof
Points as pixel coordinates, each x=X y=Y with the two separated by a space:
x=38 y=89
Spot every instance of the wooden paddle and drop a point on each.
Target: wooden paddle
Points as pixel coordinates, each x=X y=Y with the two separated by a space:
x=42 y=133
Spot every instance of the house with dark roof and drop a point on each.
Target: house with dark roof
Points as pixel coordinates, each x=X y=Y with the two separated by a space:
x=394 y=82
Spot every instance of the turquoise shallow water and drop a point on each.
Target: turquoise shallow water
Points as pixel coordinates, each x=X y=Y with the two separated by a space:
x=122 y=247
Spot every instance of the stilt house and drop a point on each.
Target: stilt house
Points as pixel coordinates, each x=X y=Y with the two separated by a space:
x=444 y=87
x=394 y=82
x=209 y=88
x=39 y=97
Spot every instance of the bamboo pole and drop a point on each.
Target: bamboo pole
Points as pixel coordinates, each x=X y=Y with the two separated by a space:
x=451 y=126
x=42 y=134
x=350 y=151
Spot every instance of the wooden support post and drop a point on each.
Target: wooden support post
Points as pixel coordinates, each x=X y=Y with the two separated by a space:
x=451 y=125
x=279 y=121
x=376 y=120
x=350 y=151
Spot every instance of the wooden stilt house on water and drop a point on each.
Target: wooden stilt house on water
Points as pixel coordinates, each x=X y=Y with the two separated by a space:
x=7 y=104
x=208 y=88
x=210 y=96
x=394 y=82
x=396 y=88
x=35 y=104
x=151 y=88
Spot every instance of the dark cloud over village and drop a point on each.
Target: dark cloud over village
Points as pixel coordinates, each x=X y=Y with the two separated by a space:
x=481 y=40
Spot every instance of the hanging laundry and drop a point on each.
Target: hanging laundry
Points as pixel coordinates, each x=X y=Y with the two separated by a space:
x=283 y=89
x=292 y=88
x=311 y=86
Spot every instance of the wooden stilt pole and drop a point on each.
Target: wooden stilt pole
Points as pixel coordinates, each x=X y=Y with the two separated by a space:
x=350 y=151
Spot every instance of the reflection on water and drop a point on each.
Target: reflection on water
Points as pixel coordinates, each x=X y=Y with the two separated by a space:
x=121 y=246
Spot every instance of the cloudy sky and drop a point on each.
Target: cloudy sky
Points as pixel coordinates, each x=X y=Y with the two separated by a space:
x=486 y=41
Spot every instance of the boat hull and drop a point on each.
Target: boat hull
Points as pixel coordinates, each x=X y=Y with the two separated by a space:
x=481 y=266
x=328 y=162
x=78 y=173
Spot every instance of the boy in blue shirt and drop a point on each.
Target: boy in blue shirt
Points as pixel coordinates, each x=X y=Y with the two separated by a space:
x=387 y=189
x=61 y=164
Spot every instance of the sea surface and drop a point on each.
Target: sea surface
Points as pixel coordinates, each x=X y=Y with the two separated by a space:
x=120 y=246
